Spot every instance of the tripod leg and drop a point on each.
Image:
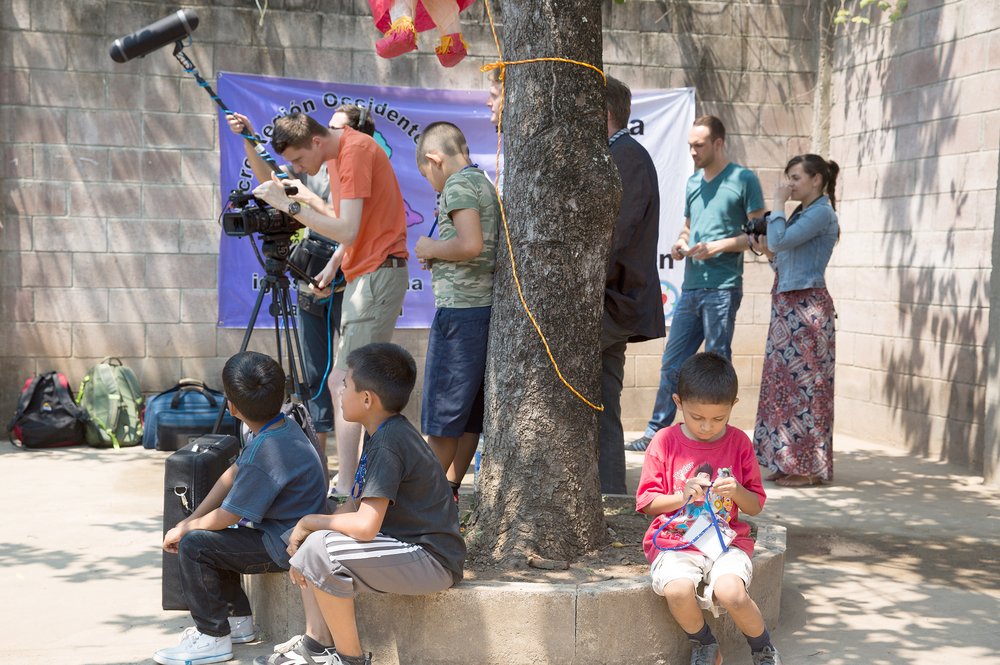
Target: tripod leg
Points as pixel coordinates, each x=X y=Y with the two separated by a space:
x=266 y=286
x=297 y=369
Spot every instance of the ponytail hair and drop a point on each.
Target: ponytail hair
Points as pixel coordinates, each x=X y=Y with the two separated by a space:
x=815 y=165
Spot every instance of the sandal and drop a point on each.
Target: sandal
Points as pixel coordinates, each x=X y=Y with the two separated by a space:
x=775 y=476
x=798 y=481
x=452 y=49
x=400 y=38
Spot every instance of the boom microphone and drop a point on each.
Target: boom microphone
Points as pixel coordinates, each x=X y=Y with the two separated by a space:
x=156 y=35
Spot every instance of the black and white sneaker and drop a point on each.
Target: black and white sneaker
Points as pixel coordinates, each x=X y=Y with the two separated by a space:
x=295 y=652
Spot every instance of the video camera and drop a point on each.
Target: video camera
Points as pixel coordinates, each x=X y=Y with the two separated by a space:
x=246 y=214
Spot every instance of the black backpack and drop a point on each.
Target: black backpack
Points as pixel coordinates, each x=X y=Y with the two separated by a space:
x=47 y=416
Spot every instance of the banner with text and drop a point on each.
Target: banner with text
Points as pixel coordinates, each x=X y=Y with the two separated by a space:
x=660 y=121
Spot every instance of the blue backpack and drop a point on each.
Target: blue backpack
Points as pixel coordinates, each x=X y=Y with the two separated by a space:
x=177 y=416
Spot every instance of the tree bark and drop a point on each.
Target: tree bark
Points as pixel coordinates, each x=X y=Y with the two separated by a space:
x=539 y=490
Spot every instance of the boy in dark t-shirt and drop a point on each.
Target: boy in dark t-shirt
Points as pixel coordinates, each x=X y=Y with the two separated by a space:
x=399 y=534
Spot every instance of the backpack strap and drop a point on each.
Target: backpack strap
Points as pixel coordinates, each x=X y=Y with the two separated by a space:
x=25 y=399
x=65 y=396
x=94 y=419
x=26 y=394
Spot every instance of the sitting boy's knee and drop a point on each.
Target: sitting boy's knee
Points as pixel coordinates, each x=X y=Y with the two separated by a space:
x=731 y=591
x=678 y=589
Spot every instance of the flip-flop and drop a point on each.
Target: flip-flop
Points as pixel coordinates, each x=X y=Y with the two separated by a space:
x=798 y=481
x=775 y=476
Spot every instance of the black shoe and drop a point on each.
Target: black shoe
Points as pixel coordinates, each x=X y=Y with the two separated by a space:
x=639 y=445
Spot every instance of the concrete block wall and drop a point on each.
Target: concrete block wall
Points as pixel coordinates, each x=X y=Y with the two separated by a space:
x=110 y=171
x=753 y=65
x=915 y=124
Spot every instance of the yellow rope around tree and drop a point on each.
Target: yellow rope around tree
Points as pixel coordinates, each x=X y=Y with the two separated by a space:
x=502 y=65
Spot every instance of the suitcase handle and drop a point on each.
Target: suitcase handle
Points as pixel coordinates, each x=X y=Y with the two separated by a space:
x=188 y=381
x=176 y=401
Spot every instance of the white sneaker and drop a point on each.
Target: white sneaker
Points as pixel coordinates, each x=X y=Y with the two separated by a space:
x=196 y=648
x=294 y=652
x=241 y=630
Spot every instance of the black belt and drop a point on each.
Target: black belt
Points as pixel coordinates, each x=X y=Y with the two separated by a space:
x=393 y=262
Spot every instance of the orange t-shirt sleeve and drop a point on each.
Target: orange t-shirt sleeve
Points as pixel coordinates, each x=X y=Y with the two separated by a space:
x=355 y=166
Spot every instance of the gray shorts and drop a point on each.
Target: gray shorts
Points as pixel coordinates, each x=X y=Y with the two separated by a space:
x=372 y=303
x=344 y=567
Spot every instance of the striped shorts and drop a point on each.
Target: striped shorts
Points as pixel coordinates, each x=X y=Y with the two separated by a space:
x=344 y=567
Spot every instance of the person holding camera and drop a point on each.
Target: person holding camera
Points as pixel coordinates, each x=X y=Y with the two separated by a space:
x=318 y=310
x=370 y=223
x=720 y=197
x=793 y=435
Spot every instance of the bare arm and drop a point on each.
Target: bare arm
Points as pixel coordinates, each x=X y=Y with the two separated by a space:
x=729 y=488
x=239 y=123
x=208 y=515
x=694 y=488
x=362 y=524
x=344 y=229
x=680 y=248
x=739 y=243
x=465 y=245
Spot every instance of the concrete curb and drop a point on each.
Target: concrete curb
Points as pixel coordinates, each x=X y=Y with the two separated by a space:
x=522 y=623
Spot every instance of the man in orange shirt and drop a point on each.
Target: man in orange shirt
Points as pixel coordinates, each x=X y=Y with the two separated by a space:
x=370 y=224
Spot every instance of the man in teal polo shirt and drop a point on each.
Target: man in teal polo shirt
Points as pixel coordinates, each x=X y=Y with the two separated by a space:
x=720 y=196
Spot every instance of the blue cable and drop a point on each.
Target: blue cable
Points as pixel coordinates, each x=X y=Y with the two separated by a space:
x=715 y=523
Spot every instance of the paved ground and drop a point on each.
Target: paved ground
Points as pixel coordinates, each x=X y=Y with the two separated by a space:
x=897 y=562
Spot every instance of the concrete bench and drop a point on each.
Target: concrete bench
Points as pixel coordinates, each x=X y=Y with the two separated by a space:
x=518 y=623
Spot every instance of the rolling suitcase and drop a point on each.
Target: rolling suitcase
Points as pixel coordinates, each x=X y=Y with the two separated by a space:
x=189 y=475
x=178 y=416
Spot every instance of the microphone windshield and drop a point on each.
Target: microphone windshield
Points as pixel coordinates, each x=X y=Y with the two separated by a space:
x=167 y=30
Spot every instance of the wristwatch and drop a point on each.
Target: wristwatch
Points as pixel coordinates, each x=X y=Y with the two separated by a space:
x=294 y=208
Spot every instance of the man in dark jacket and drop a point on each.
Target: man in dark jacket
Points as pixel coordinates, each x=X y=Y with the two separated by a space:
x=633 y=306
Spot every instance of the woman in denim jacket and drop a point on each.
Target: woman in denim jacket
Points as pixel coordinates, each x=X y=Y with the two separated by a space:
x=794 y=431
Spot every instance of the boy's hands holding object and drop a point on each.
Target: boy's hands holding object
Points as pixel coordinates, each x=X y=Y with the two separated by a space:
x=726 y=487
x=694 y=488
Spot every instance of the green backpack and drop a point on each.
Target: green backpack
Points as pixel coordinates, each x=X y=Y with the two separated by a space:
x=111 y=395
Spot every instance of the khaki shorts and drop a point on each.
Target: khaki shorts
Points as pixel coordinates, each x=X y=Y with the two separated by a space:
x=372 y=303
x=695 y=566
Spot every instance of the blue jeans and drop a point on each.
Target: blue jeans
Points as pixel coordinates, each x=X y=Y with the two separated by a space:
x=702 y=315
x=211 y=564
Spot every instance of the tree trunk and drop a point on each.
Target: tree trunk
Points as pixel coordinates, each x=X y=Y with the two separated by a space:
x=539 y=490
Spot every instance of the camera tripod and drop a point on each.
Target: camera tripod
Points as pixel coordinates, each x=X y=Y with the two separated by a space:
x=273 y=256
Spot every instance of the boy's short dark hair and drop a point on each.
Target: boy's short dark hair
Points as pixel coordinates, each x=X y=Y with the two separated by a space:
x=386 y=369
x=708 y=378
x=255 y=384
x=443 y=137
x=619 y=102
x=295 y=131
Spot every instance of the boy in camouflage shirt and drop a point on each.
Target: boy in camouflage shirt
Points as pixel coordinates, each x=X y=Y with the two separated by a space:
x=462 y=261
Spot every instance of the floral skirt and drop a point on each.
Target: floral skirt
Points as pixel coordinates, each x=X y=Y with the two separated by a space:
x=794 y=430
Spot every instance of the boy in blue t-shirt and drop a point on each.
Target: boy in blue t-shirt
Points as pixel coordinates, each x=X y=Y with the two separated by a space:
x=276 y=480
x=462 y=261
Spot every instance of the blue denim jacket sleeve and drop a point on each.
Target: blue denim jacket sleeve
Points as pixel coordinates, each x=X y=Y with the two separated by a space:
x=803 y=245
x=804 y=226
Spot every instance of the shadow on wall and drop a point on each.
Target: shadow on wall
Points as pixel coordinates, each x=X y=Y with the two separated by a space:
x=935 y=381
